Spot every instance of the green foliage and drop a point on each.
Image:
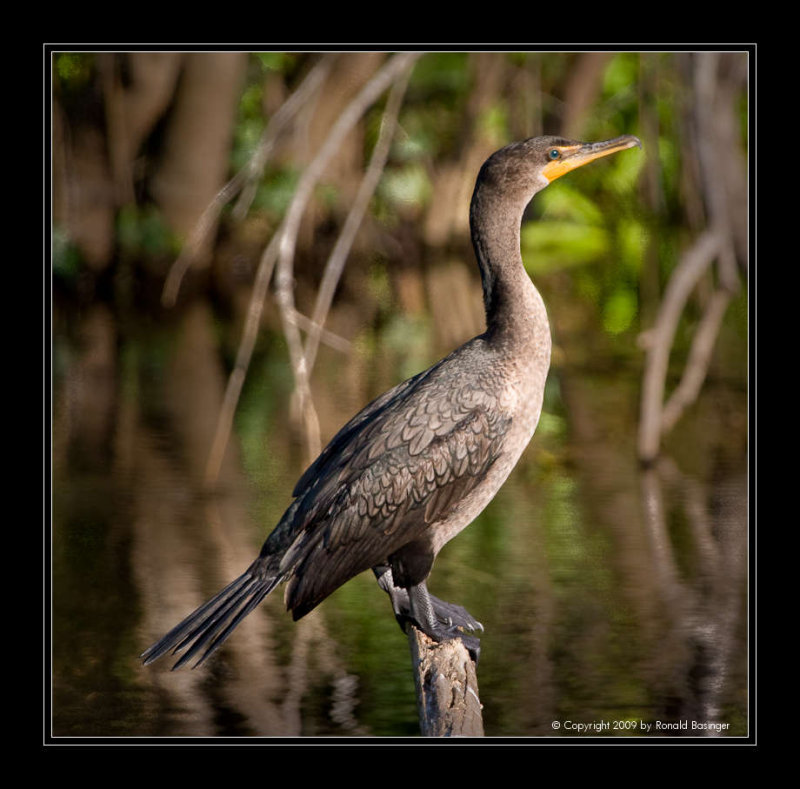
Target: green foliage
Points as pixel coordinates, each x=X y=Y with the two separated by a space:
x=275 y=191
x=564 y=201
x=438 y=91
x=619 y=310
x=442 y=74
x=275 y=61
x=66 y=257
x=569 y=232
x=73 y=69
x=493 y=123
x=621 y=75
x=576 y=230
x=143 y=231
x=547 y=246
x=618 y=108
x=250 y=126
x=632 y=240
x=622 y=173
x=250 y=122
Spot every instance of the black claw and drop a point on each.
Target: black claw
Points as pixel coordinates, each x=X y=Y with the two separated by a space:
x=473 y=646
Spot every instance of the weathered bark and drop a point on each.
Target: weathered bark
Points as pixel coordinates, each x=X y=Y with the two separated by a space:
x=447 y=687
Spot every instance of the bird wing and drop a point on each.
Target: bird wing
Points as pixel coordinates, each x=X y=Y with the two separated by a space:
x=401 y=465
x=340 y=447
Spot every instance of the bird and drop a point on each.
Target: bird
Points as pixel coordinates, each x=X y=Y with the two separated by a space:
x=419 y=463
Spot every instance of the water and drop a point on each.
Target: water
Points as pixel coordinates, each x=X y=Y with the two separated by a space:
x=612 y=598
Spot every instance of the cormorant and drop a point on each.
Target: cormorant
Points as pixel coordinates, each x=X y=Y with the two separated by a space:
x=420 y=462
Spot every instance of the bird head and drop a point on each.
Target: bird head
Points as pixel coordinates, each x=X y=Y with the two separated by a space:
x=532 y=164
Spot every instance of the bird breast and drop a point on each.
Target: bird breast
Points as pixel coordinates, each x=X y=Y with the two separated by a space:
x=512 y=387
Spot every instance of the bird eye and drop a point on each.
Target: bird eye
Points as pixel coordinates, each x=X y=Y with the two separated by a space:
x=553 y=153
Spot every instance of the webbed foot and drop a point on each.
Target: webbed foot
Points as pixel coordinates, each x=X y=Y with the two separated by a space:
x=452 y=615
x=437 y=618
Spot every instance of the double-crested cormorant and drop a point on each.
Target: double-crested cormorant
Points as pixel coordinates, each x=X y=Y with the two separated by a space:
x=420 y=462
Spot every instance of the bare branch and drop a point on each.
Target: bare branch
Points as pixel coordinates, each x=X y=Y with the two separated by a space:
x=327 y=337
x=243 y=355
x=699 y=358
x=280 y=250
x=206 y=222
x=338 y=257
x=280 y=121
x=246 y=179
x=284 y=294
x=694 y=262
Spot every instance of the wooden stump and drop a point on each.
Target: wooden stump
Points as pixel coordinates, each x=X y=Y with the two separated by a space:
x=447 y=687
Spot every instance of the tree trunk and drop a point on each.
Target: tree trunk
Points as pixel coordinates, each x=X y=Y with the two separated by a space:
x=194 y=163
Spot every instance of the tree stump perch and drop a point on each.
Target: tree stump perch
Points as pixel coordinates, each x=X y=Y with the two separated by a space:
x=447 y=687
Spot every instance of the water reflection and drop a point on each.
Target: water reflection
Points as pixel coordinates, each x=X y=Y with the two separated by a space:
x=608 y=594
x=703 y=601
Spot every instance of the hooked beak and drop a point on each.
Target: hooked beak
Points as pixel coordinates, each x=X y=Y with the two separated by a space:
x=574 y=156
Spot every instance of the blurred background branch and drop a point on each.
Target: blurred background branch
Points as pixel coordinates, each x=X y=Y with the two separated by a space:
x=396 y=67
x=719 y=83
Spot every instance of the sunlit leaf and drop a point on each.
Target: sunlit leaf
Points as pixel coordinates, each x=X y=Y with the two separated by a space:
x=563 y=201
x=619 y=311
x=621 y=73
x=632 y=243
x=493 y=123
x=623 y=171
x=274 y=61
x=74 y=68
x=551 y=245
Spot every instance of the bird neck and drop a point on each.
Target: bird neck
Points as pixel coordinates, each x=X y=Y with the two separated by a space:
x=514 y=308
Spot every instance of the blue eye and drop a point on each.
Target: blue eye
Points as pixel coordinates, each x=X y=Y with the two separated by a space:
x=553 y=153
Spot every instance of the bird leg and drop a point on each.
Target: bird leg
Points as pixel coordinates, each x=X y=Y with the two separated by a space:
x=436 y=618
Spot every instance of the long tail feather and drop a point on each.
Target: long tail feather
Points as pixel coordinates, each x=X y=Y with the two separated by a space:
x=215 y=620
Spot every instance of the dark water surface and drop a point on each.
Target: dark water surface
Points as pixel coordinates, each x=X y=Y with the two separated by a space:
x=612 y=598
